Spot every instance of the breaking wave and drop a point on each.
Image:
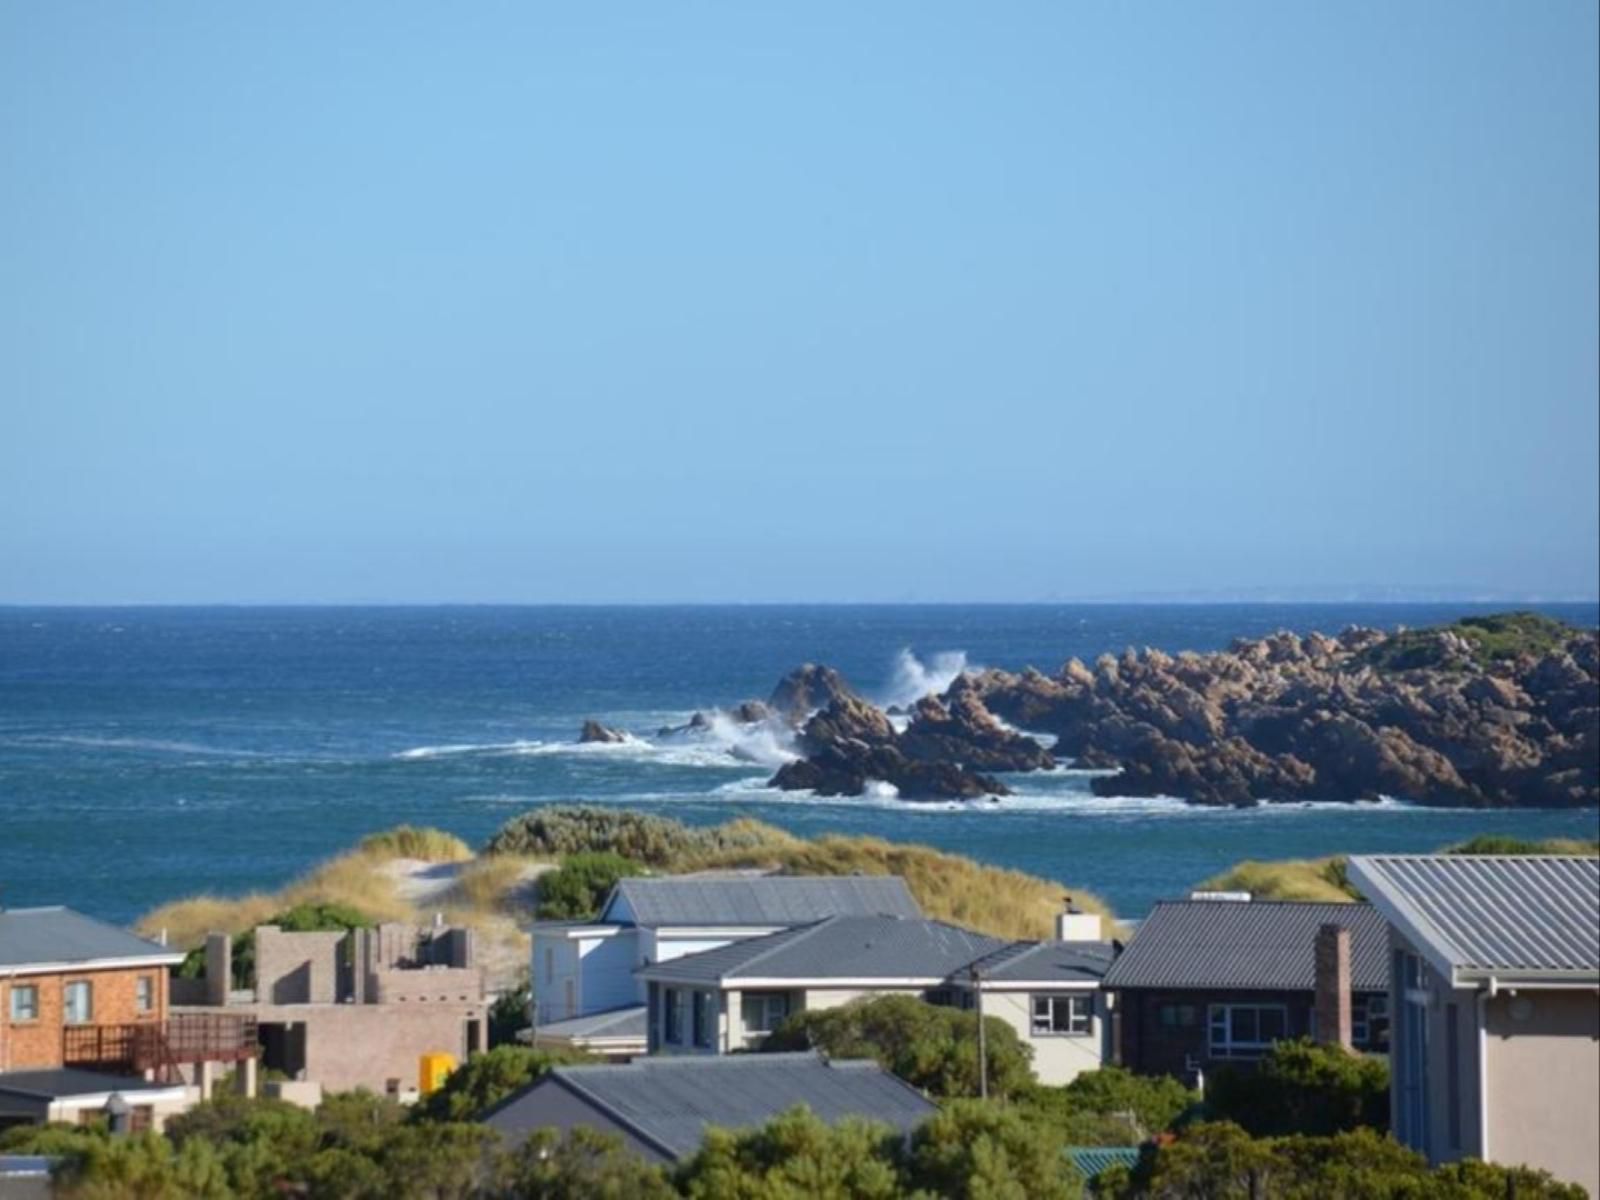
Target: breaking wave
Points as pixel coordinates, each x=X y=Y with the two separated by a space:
x=913 y=679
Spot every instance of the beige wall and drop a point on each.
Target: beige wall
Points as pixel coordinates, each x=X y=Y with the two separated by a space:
x=1057 y=1059
x=366 y=1045
x=1544 y=1082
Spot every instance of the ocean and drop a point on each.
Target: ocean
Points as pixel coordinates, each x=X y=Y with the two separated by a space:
x=151 y=753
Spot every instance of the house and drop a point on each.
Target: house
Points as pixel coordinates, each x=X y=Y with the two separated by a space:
x=662 y=1107
x=1494 y=978
x=731 y=998
x=1207 y=983
x=351 y=1008
x=84 y=1013
x=586 y=968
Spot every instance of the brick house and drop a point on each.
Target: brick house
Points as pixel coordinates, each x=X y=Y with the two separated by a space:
x=84 y=1013
x=1210 y=983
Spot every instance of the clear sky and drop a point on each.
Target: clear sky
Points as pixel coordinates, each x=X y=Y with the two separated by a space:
x=806 y=301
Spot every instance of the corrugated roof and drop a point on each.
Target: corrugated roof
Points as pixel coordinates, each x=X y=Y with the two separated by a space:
x=762 y=900
x=672 y=1101
x=42 y=936
x=1048 y=962
x=70 y=1081
x=1091 y=1161
x=1256 y=945
x=838 y=948
x=629 y=1022
x=1491 y=913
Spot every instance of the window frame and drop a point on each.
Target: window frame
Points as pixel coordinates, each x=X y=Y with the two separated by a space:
x=1367 y=1009
x=1080 y=1014
x=17 y=990
x=703 y=1019
x=767 y=1000
x=672 y=1016
x=67 y=1017
x=1232 y=1047
x=144 y=995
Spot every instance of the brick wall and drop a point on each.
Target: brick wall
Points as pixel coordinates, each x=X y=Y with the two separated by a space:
x=1155 y=1038
x=364 y=1045
x=297 y=968
x=114 y=998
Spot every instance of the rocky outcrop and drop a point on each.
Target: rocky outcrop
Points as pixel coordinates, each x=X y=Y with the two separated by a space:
x=593 y=731
x=960 y=729
x=1491 y=712
x=851 y=744
x=806 y=690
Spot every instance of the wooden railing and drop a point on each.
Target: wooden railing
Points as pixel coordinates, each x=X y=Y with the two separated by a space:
x=160 y=1045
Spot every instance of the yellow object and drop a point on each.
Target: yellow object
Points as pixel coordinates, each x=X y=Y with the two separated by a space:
x=435 y=1070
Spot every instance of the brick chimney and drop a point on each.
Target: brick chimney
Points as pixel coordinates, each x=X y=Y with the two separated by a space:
x=1333 y=986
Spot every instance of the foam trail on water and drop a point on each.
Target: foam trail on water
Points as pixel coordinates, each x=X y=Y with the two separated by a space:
x=766 y=743
x=913 y=679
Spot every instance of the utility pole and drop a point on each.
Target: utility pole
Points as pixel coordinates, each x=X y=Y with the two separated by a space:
x=983 y=1037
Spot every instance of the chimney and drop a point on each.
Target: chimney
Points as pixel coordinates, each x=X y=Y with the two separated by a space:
x=1073 y=925
x=1333 y=986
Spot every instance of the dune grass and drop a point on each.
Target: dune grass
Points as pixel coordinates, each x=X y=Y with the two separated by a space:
x=1321 y=879
x=411 y=841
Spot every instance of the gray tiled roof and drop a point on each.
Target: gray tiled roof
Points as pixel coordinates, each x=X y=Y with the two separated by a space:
x=670 y=1102
x=761 y=900
x=838 y=948
x=1535 y=913
x=1048 y=962
x=629 y=1022
x=1258 y=945
x=40 y=936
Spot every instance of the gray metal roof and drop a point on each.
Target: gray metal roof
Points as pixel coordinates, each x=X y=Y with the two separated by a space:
x=1491 y=913
x=32 y=937
x=629 y=1022
x=670 y=1102
x=760 y=900
x=1048 y=962
x=61 y=1082
x=1256 y=945
x=838 y=948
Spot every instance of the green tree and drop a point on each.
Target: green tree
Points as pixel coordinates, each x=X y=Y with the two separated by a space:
x=1304 y=1087
x=508 y=1015
x=1110 y=1106
x=796 y=1156
x=976 y=1151
x=929 y=1046
x=486 y=1079
x=142 y=1167
x=583 y=1165
x=580 y=885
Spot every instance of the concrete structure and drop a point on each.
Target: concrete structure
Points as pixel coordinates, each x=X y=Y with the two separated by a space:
x=357 y=1008
x=729 y=999
x=585 y=968
x=661 y=1108
x=1212 y=983
x=1495 y=983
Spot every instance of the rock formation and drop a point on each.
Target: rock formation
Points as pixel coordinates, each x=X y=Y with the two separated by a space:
x=593 y=731
x=806 y=690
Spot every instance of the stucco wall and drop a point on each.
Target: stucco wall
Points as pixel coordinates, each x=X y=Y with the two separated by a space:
x=1543 y=1053
x=555 y=964
x=366 y=1045
x=1057 y=1058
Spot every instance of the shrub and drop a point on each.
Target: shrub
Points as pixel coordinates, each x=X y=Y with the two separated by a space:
x=1495 y=843
x=581 y=884
x=794 y=1156
x=930 y=1047
x=972 y=1149
x=1304 y=1087
x=1111 y=1106
x=486 y=1079
x=1319 y=879
x=560 y=830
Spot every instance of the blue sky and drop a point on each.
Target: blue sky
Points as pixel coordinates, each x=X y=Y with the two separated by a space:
x=632 y=302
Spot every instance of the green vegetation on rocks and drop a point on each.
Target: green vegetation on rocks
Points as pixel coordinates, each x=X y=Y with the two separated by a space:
x=1499 y=637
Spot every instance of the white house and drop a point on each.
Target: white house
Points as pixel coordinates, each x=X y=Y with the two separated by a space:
x=730 y=998
x=585 y=989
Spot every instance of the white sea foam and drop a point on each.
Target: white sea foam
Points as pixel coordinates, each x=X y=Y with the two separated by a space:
x=156 y=745
x=913 y=679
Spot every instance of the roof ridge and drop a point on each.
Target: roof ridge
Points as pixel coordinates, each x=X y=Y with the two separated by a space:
x=778 y=941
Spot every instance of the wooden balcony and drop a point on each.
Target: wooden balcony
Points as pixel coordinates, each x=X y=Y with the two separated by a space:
x=160 y=1046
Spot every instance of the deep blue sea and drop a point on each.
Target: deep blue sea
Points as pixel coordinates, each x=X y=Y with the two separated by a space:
x=150 y=753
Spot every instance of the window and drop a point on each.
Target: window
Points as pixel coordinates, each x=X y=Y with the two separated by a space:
x=704 y=1020
x=1062 y=1015
x=672 y=1007
x=1177 y=1016
x=764 y=1011
x=1369 y=1021
x=24 y=1002
x=144 y=993
x=79 y=1005
x=549 y=962
x=1246 y=1030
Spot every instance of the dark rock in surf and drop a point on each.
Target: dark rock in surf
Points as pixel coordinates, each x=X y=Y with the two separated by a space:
x=593 y=731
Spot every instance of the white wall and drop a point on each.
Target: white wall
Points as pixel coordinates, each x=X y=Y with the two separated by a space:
x=605 y=967
x=1057 y=1059
x=554 y=965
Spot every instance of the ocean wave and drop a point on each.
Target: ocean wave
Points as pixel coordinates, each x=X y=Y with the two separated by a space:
x=722 y=744
x=153 y=745
x=913 y=679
